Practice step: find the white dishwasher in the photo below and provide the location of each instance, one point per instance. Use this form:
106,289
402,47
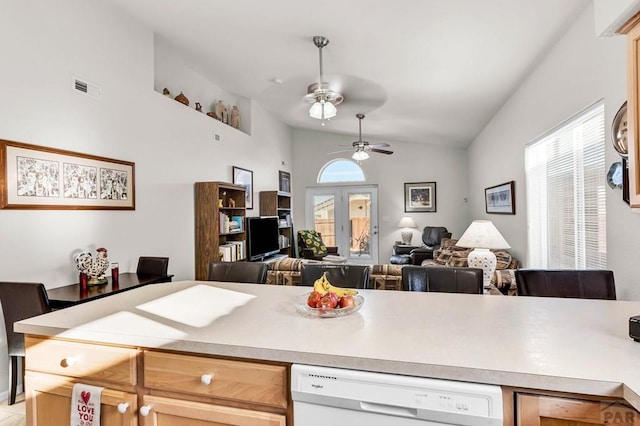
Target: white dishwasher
331,396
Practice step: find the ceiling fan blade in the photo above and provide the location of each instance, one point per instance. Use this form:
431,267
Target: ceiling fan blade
379,145
381,151
338,152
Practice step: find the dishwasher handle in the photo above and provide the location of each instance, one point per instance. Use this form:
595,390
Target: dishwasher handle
392,410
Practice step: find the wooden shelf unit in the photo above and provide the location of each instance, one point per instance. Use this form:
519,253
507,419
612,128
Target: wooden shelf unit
278,203
208,236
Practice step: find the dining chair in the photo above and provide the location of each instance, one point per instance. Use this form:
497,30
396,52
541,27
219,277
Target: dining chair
239,272
19,301
349,276
582,284
442,279
149,265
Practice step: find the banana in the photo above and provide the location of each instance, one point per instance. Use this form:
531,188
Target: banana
323,286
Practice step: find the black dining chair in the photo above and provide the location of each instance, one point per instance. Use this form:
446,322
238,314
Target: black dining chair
149,265
582,284
19,301
442,279
239,272
349,276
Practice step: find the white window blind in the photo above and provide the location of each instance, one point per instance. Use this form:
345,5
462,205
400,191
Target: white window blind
566,209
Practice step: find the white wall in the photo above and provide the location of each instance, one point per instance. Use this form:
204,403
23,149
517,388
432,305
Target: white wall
43,44
578,71
408,163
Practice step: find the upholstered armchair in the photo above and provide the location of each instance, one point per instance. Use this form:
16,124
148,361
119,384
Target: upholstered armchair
311,246
431,237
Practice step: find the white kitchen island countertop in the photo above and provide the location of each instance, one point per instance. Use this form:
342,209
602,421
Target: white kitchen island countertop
567,345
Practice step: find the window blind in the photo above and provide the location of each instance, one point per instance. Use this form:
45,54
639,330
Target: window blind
566,206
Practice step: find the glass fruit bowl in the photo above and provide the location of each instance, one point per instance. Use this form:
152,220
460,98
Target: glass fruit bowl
309,312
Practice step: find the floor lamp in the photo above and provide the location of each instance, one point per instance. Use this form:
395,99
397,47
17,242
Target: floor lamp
482,236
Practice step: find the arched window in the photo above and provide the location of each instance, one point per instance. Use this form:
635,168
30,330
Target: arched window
341,170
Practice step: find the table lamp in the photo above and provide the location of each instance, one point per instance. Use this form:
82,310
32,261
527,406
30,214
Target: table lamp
406,223
482,235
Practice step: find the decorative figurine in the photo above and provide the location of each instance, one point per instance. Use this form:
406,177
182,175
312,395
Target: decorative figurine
212,115
221,112
198,107
93,267
166,92
182,99
235,117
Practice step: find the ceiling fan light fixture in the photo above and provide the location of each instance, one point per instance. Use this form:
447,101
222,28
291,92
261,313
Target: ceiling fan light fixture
323,100
360,155
322,110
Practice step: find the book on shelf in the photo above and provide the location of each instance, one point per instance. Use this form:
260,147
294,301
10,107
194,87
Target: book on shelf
232,251
236,223
224,223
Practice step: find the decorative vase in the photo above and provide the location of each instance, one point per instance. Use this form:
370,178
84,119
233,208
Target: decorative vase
182,99
235,117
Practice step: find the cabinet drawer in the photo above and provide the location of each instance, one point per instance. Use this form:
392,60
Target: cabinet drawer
235,380
104,363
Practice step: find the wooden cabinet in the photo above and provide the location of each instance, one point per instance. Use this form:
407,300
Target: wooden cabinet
49,402
217,204
277,203
543,410
177,412
632,31
53,366
152,387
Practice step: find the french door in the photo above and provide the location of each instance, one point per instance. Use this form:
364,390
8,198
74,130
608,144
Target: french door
346,217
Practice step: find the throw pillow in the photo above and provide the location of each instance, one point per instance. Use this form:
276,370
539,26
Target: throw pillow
313,241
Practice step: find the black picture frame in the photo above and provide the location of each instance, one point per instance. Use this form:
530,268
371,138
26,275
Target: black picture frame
244,177
284,181
500,199
420,197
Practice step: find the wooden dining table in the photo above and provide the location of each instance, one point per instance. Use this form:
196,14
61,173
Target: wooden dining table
69,295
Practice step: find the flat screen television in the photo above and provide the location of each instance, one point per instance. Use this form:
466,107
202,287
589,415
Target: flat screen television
262,237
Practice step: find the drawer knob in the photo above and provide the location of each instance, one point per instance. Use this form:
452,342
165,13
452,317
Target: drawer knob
206,379
68,361
145,410
122,407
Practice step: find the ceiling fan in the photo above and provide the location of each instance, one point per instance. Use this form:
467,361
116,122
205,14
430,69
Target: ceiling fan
320,95
362,148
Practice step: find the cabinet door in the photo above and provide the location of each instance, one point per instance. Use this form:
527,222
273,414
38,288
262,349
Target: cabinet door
49,403
176,412
539,410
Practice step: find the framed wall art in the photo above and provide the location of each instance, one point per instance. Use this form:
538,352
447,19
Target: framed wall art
420,197
244,177
38,177
284,180
500,199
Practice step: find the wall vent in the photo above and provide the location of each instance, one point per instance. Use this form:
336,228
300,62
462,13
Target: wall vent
87,88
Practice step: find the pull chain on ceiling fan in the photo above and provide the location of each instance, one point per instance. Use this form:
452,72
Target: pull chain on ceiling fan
363,147
320,95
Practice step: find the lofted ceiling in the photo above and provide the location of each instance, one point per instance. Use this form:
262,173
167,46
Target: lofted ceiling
423,71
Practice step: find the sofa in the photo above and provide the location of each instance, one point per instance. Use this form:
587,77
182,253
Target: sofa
503,280
286,271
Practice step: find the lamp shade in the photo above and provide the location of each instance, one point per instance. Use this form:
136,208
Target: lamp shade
407,222
482,234
360,155
322,110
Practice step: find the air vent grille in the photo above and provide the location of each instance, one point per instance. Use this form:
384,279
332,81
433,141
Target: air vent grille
90,89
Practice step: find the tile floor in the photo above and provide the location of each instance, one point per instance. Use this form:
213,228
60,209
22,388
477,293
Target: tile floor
13,415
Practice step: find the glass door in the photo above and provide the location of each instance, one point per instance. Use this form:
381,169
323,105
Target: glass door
346,217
